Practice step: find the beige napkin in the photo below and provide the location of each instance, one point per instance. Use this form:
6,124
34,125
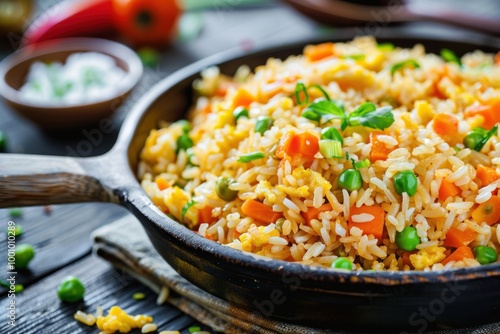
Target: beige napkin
126,246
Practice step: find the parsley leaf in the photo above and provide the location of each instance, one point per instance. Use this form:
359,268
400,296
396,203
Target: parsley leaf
370,116
326,111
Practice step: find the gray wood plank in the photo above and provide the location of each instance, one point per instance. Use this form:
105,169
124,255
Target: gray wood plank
38,310
59,238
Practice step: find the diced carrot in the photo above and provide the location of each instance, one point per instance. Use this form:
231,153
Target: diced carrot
458,238
447,189
318,52
489,112
486,175
161,183
459,254
445,125
259,211
305,144
374,226
497,58
205,215
379,150
243,98
488,212
312,212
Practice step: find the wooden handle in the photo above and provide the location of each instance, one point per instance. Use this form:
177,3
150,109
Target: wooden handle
41,180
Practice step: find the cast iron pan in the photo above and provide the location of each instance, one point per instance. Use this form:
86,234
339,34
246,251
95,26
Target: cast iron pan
355,301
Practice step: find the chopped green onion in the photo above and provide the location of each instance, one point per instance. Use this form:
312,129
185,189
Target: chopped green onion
361,164
332,133
386,47
138,296
186,207
356,57
330,148
450,57
327,97
184,142
251,157
301,88
240,112
405,63
263,124
328,110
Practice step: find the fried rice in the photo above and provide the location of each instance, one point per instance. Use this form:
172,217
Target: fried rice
257,166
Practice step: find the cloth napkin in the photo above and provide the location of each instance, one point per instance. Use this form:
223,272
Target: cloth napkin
126,246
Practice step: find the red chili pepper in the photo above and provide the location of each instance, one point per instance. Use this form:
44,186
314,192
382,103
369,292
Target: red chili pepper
140,22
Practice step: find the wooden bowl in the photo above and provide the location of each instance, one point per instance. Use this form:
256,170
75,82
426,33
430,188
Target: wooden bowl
54,115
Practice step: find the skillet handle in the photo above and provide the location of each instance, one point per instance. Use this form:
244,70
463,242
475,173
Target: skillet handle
41,180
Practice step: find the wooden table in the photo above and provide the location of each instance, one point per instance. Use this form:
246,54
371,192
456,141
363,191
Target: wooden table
61,233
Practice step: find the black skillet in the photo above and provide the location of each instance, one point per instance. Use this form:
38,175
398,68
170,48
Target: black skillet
322,298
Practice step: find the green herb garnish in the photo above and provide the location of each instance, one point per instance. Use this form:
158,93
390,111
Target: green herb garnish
322,91
332,133
405,63
300,88
370,116
355,57
251,157
366,114
478,137
386,47
450,57
361,164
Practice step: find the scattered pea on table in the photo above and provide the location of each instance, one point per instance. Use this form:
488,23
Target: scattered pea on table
71,289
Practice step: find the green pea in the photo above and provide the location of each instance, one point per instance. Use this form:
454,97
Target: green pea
184,142
405,182
23,255
407,239
341,263
240,112
485,254
3,142
71,289
350,179
15,212
263,124
222,189
472,140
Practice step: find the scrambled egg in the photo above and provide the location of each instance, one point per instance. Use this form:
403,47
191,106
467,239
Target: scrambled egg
310,178
119,320
427,257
